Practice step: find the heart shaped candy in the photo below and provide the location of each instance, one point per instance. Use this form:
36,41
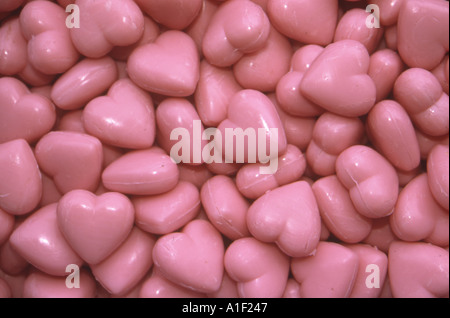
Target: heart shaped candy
23,115
338,80
13,47
161,67
74,160
437,168
288,216
21,183
199,247
105,24
95,226
125,118
260,269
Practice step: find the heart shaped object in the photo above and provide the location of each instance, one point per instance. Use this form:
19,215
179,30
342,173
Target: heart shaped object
126,266
23,115
21,183
6,226
13,47
417,215
141,172
167,212
124,118
39,240
288,216
438,175
418,270
105,24
261,270
237,28
423,31
173,14
161,67
73,160
330,273
338,81
250,109
294,19
46,54
95,226
199,247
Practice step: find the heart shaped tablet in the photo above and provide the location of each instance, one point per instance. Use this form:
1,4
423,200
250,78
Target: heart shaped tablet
437,168
260,269
14,47
73,160
23,115
125,118
161,67
288,216
95,226
199,247
338,80
20,184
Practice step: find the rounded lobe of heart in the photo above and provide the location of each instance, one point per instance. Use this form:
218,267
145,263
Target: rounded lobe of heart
337,211
252,184
263,69
161,67
29,75
237,28
371,180
352,26
417,216
427,142
13,46
124,118
421,94
197,175
418,270
23,115
157,286
95,226
105,24
338,81
381,235
369,255
173,14
292,289
392,131
332,134
39,241
225,207
438,174
83,82
228,289
252,109
41,285
293,19
199,247
304,57
21,183
6,226
73,160
288,216
126,266
423,31
167,212
215,89
330,273
50,48
260,269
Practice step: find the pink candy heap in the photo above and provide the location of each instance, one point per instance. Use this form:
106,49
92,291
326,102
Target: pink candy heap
93,203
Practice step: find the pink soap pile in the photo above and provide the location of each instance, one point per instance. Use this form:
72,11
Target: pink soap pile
93,203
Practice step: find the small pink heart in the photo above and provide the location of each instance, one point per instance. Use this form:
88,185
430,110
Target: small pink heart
105,24
161,67
23,115
338,81
199,248
74,160
423,33
261,270
418,270
125,118
95,226
330,272
288,216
